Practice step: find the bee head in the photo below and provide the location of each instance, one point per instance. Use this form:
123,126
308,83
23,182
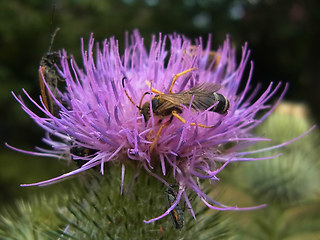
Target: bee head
50,59
145,111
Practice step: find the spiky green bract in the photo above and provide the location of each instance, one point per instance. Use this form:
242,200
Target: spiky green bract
103,213
288,184
95,209
27,219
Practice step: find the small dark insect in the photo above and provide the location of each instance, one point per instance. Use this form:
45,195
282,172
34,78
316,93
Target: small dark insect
177,213
48,70
81,152
213,57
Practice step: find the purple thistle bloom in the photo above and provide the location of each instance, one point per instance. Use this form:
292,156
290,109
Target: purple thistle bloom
96,113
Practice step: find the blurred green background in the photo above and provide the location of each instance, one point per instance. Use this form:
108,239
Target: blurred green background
283,37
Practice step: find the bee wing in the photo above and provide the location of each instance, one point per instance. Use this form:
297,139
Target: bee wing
203,95
206,87
202,100
172,101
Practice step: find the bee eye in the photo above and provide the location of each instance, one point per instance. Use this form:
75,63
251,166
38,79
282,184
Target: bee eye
155,102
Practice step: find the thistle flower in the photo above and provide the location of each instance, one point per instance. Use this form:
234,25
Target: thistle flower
100,110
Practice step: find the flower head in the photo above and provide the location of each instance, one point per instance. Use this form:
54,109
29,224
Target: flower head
104,110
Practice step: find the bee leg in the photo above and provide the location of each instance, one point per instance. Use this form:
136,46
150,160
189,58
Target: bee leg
174,113
213,56
178,75
153,144
156,91
153,89
150,135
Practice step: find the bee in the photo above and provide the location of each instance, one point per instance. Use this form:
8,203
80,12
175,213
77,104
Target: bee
177,213
51,76
204,96
212,59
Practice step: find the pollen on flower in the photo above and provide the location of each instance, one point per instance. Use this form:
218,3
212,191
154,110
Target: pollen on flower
173,109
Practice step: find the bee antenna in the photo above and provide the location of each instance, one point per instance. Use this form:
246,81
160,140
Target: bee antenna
140,103
53,35
124,78
125,91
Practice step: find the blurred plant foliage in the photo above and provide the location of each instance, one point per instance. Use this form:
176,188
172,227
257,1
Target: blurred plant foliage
288,184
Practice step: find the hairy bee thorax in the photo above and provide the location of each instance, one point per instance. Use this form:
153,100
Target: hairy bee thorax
157,101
